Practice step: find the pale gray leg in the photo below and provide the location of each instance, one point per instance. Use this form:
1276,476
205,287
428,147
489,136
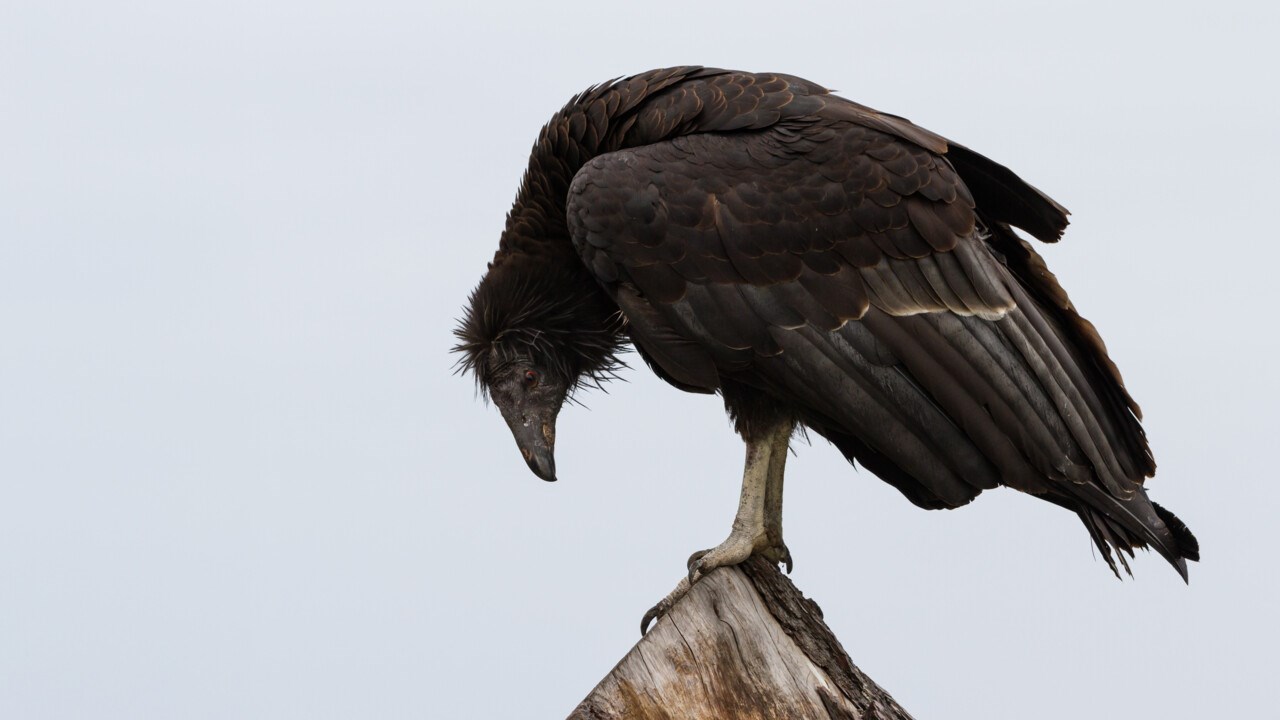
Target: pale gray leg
776,551
757,527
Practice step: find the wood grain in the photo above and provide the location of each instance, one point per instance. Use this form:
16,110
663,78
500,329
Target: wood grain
744,643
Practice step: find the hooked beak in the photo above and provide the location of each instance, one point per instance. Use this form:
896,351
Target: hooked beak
537,441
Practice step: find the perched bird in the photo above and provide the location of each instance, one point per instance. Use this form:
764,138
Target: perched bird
816,263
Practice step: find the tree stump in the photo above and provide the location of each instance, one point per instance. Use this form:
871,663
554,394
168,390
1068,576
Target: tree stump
743,643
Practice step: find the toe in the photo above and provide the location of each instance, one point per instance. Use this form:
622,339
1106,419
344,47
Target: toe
664,605
653,613
695,568
694,558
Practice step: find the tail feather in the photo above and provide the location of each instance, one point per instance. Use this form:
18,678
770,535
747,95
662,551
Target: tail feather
1105,539
1187,543
1162,531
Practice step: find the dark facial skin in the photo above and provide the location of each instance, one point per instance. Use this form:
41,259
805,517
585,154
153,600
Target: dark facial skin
530,399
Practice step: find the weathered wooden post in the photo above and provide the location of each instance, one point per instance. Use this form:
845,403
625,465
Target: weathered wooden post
744,643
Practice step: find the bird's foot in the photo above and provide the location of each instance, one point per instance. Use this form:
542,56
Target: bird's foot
735,549
778,554
668,602
775,551
738,547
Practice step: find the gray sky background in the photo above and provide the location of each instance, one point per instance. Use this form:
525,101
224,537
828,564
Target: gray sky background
238,479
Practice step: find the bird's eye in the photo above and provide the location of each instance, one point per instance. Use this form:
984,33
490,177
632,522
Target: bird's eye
530,379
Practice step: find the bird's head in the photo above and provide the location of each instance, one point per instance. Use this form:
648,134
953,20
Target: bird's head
531,336
530,394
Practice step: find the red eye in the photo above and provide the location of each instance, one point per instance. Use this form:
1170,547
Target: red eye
530,379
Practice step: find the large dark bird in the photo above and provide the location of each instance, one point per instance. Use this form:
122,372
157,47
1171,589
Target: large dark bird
814,262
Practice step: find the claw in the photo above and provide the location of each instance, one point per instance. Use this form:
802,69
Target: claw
664,605
652,614
694,565
694,558
695,571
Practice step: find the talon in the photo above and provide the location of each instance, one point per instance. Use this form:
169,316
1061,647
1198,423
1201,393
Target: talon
668,602
653,614
694,558
695,567
786,558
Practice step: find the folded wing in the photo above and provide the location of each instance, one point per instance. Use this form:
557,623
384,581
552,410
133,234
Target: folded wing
848,271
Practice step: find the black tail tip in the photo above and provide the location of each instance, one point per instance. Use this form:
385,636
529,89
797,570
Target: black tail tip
1188,546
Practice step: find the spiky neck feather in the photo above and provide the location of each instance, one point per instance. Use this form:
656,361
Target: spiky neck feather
537,302
531,308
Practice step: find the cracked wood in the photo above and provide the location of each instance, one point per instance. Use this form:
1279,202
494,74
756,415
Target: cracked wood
744,643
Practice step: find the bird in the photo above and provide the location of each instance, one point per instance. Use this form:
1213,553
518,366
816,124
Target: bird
824,268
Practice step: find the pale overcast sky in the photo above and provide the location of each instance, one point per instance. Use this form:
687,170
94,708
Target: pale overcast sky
238,479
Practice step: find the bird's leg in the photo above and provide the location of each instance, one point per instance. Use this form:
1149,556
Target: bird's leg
776,551
747,533
757,527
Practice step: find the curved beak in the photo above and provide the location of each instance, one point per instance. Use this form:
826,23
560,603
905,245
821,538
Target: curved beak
536,438
542,462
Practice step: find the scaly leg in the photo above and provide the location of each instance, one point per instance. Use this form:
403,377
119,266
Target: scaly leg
776,551
757,527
